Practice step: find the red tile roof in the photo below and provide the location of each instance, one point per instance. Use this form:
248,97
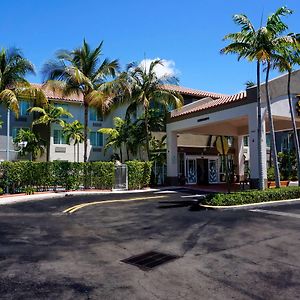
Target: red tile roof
206,104
192,92
57,96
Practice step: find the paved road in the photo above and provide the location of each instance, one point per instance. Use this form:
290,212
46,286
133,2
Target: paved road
45,254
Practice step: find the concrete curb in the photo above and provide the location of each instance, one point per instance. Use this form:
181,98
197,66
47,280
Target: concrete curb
28,198
252,205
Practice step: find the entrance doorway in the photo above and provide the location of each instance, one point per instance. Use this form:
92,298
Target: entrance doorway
191,171
202,170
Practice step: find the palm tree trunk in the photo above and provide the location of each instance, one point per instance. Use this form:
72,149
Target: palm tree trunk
48,143
259,130
272,131
74,152
147,133
8,135
85,131
77,152
295,133
121,158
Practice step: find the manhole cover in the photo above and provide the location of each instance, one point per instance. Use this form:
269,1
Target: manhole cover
149,260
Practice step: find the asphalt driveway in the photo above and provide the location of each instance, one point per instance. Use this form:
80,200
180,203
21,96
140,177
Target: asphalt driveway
48,254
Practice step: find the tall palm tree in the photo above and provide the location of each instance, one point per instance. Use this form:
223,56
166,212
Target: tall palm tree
50,115
13,69
35,144
74,132
146,90
290,57
80,71
257,45
246,44
274,40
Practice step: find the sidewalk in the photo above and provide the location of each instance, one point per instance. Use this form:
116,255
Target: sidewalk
19,198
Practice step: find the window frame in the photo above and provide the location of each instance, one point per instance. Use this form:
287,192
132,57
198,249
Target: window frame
99,139
62,139
95,112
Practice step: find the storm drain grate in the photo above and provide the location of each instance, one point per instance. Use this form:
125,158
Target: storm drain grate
149,260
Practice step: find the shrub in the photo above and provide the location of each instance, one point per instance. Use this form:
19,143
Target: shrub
139,174
1,191
253,196
50,175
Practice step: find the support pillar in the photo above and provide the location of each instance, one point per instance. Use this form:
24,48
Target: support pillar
172,158
239,157
254,150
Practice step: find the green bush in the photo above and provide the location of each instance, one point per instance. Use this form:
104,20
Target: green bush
253,196
1,191
68,175
139,174
271,174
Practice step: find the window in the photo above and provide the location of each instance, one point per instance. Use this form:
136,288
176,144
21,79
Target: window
24,106
96,139
95,114
268,140
59,137
64,106
246,141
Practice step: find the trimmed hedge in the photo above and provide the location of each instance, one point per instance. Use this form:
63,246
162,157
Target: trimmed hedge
69,175
139,174
253,196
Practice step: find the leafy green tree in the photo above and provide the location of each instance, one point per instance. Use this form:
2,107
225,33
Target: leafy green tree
50,115
74,132
289,58
81,72
1,123
146,91
258,45
117,137
35,144
14,67
249,84
274,40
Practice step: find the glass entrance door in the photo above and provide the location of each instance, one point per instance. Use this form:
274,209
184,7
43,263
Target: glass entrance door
191,171
212,171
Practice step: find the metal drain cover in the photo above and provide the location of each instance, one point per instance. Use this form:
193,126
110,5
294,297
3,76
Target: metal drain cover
149,260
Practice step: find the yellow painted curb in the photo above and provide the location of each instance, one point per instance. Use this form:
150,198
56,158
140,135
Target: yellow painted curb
74,208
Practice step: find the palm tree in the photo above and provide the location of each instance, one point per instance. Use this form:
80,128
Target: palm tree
146,90
35,144
74,131
257,45
246,45
80,71
50,115
273,41
290,57
117,136
13,69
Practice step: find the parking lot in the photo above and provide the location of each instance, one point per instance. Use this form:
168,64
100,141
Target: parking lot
73,248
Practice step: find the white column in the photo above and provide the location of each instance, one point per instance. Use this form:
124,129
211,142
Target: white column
239,156
172,157
253,148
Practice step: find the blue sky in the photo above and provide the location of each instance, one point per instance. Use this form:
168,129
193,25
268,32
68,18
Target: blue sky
189,33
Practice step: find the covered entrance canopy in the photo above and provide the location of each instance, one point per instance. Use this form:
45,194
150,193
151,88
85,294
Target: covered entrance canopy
234,116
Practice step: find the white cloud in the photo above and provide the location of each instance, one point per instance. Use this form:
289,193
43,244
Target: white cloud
167,68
